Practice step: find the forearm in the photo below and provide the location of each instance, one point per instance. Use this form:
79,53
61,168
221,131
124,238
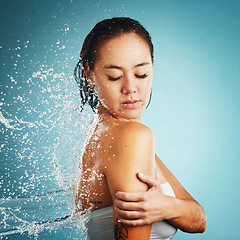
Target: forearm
190,217
122,231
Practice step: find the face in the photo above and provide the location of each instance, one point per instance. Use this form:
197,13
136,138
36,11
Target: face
123,75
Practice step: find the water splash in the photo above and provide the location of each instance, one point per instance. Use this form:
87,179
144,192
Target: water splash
16,217
43,136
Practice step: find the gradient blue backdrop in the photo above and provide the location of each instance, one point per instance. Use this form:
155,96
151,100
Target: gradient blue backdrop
194,111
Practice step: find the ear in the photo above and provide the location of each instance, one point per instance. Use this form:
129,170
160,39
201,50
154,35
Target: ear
89,76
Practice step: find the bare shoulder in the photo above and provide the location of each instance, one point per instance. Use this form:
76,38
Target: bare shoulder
132,140
134,126
119,136
132,152
132,131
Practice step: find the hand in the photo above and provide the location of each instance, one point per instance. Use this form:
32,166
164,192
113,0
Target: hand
143,208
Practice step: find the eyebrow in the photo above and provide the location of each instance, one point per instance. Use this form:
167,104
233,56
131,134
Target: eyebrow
118,67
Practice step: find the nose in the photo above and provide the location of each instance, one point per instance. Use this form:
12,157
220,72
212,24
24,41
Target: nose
129,85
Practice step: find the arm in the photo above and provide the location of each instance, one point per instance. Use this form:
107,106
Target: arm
190,217
183,211
133,151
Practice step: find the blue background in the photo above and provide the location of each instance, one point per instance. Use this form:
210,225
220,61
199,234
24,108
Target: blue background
194,111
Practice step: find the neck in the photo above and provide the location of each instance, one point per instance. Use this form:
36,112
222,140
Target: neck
105,114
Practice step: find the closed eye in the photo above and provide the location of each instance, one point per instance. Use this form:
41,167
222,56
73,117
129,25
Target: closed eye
141,76
113,79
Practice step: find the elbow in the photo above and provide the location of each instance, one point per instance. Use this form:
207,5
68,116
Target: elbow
204,224
198,225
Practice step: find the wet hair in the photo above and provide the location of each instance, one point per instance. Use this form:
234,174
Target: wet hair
102,32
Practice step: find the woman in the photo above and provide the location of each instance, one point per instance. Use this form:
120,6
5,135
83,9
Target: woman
115,73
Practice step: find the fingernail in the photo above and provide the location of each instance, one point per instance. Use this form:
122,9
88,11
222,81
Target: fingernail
119,221
115,208
115,194
140,174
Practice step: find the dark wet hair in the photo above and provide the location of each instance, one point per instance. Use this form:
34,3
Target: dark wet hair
102,32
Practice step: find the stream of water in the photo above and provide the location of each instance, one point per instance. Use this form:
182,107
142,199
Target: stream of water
42,136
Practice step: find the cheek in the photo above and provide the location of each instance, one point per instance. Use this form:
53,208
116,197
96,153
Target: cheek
100,86
105,92
100,91
146,88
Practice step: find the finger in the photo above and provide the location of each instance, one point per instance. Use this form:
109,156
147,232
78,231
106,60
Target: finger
150,181
128,206
129,215
134,223
129,197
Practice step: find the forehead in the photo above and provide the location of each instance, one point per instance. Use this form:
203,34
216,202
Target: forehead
126,49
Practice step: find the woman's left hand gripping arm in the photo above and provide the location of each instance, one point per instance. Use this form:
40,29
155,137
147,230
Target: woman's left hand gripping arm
152,206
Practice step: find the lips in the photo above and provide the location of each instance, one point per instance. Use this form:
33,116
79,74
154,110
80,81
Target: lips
130,103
